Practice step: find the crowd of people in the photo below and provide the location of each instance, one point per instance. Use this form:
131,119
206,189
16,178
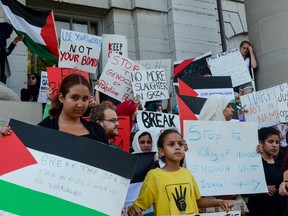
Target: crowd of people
170,187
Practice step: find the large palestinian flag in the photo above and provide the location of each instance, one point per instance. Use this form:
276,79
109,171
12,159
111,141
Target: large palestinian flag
38,27
46,172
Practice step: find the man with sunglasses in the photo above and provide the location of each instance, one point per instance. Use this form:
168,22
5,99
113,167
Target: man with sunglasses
5,32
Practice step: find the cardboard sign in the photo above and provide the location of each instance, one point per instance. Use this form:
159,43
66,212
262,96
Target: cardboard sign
113,43
230,63
42,97
263,107
150,85
71,174
56,75
123,138
79,50
222,157
115,80
194,67
149,120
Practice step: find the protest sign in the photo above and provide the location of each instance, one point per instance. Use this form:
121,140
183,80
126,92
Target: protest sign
123,138
115,80
42,97
150,85
282,99
194,67
222,157
79,50
150,120
75,175
230,63
206,86
262,106
57,74
166,64
113,43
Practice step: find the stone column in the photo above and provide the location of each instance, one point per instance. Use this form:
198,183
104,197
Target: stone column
268,32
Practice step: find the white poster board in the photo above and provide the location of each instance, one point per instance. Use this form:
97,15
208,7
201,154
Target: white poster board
79,50
222,157
113,43
262,106
149,120
115,80
150,85
230,63
42,97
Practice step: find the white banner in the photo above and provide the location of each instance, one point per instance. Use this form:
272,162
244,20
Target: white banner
230,63
79,50
222,157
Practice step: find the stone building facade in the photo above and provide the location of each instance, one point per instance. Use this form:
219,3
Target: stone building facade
161,29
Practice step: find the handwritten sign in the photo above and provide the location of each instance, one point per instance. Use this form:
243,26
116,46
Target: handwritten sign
222,157
149,120
282,98
150,85
79,50
113,43
123,138
115,80
56,75
42,97
69,175
166,64
262,105
230,63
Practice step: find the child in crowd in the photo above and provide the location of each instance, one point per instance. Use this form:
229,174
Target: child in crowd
172,190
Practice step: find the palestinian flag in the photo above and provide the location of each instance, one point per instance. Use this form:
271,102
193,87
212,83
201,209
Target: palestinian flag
61,174
145,163
38,27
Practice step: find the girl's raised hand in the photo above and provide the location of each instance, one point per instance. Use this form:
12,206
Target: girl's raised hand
5,130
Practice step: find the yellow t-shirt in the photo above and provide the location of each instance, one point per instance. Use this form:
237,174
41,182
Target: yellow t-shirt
171,193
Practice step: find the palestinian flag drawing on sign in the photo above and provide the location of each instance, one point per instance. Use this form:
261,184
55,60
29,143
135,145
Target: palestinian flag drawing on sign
38,27
63,174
